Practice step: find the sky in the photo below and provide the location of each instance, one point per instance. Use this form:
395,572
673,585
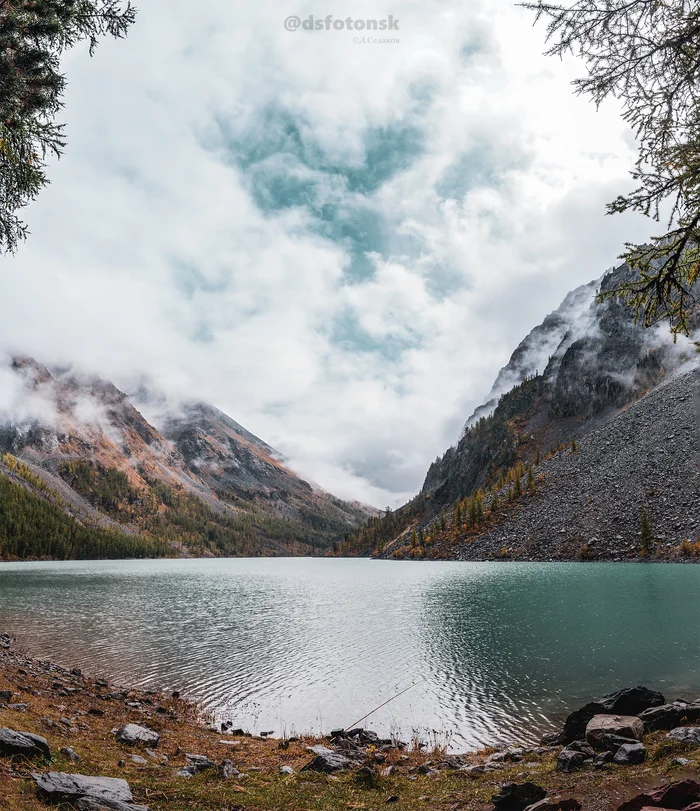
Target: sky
337,241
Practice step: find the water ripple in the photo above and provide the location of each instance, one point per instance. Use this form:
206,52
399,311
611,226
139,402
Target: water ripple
494,651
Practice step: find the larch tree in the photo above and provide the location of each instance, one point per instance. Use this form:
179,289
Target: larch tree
33,36
646,53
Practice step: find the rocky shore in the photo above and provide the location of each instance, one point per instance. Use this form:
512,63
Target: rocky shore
79,742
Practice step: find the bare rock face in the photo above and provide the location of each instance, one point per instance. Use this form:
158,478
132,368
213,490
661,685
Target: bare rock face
624,726
132,734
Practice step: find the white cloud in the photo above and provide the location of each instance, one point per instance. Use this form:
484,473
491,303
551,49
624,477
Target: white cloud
149,253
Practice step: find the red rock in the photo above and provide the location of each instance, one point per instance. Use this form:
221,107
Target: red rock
675,797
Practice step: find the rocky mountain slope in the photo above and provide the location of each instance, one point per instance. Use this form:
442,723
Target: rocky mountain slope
587,503
587,378
200,485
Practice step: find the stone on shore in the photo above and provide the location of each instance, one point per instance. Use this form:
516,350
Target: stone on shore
86,793
26,744
689,735
195,765
132,734
227,770
669,716
71,754
518,796
676,796
570,760
631,753
630,701
327,761
624,726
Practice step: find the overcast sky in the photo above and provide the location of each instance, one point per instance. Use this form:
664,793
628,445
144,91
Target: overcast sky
338,243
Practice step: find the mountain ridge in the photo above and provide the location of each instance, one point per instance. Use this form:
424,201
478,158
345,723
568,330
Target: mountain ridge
202,484
571,376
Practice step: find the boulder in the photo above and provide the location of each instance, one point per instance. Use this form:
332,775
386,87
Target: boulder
132,734
611,743
676,796
689,735
5,695
631,753
669,716
518,796
85,793
26,744
328,761
570,760
624,726
630,701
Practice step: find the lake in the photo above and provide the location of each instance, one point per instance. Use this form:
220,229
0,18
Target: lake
491,651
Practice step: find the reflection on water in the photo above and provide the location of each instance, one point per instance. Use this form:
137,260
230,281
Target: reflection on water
496,651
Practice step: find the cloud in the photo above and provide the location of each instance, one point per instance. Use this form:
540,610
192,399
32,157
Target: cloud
339,244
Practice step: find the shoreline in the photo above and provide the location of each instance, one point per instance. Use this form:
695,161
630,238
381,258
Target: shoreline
80,713
692,559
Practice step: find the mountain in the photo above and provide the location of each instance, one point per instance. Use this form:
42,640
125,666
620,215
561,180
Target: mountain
588,428
199,483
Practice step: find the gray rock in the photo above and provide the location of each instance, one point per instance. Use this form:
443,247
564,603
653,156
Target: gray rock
320,750
25,744
227,770
583,747
5,695
141,761
601,726
287,770
631,753
601,759
328,761
627,702
669,716
132,734
71,754
85,793
518,796
611,743
570,760
195,765
685,735
513,754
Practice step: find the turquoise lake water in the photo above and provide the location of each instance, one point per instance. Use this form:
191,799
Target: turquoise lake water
494,651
